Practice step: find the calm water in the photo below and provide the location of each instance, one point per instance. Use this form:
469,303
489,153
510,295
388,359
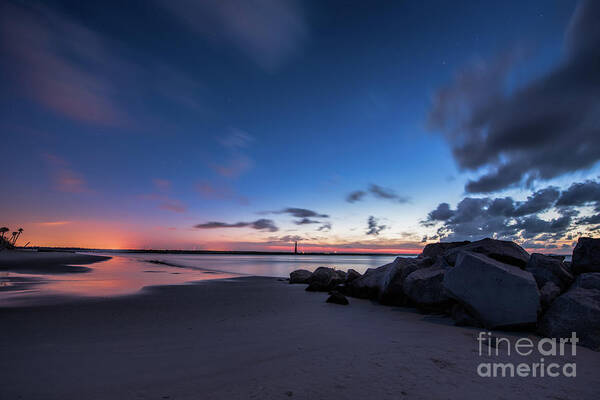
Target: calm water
129,273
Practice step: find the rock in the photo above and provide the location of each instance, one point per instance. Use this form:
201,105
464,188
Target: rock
324,279
549,269
462,317
385,283
577,310
300,276
434,250
500,250
424,287
497,294
548,293
340,274
586,256
337,298
352,275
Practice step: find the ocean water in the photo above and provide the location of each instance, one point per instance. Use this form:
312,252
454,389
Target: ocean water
126,274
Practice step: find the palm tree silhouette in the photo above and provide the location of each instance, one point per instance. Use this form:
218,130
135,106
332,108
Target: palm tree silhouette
13,238
19,231
3,230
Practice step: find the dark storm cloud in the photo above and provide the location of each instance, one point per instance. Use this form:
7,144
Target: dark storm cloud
581,194
377,191
506,218
357,195
522,136
373,228
259,224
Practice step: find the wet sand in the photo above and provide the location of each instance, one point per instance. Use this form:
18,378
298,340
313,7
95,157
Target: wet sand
254,338
52,262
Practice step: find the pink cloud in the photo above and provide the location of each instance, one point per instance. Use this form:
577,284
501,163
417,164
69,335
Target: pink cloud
43,46
64,177
162,184
173,205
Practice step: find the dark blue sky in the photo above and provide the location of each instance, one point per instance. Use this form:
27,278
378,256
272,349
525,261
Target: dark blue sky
139,120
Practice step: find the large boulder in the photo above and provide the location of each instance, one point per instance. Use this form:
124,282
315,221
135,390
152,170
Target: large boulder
577,310
586,256
385,283
424,287
497,294
352,275
549,269
437,249
500,250
323,279
300,276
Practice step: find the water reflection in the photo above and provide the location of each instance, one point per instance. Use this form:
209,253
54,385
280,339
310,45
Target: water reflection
128,273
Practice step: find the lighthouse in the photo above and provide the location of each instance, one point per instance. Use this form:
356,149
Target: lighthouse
296,247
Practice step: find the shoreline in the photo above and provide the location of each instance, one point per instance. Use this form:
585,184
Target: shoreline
255,337
46,262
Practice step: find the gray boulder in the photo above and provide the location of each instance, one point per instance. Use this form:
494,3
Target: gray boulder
300,276
437,249
549,269
323,279
577,310
586,256
500,250
497,294
385,283
548,293
352,275
424,287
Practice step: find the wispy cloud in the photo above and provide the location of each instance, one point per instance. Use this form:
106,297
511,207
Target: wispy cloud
378,192
48,53
270,32
64,177
373,226
259,224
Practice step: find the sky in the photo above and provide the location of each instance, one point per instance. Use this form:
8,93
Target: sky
346,126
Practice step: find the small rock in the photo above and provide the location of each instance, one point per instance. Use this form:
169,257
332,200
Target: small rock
548,293
337,298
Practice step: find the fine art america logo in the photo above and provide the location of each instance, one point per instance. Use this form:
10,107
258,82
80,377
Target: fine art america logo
492,346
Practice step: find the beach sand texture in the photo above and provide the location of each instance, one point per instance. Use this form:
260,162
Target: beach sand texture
254,338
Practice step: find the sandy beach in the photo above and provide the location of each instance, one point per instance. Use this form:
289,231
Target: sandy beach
53,262
254,338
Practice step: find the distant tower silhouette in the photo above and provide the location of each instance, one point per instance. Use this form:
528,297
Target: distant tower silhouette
296,247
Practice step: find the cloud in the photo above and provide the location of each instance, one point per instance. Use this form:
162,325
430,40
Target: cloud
475,218
581,194
65,178
173,205
326,227
373,228
49,55
269,32
306,221
357,195
162,184
238,161
301,213
518,137
378,192
260,224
